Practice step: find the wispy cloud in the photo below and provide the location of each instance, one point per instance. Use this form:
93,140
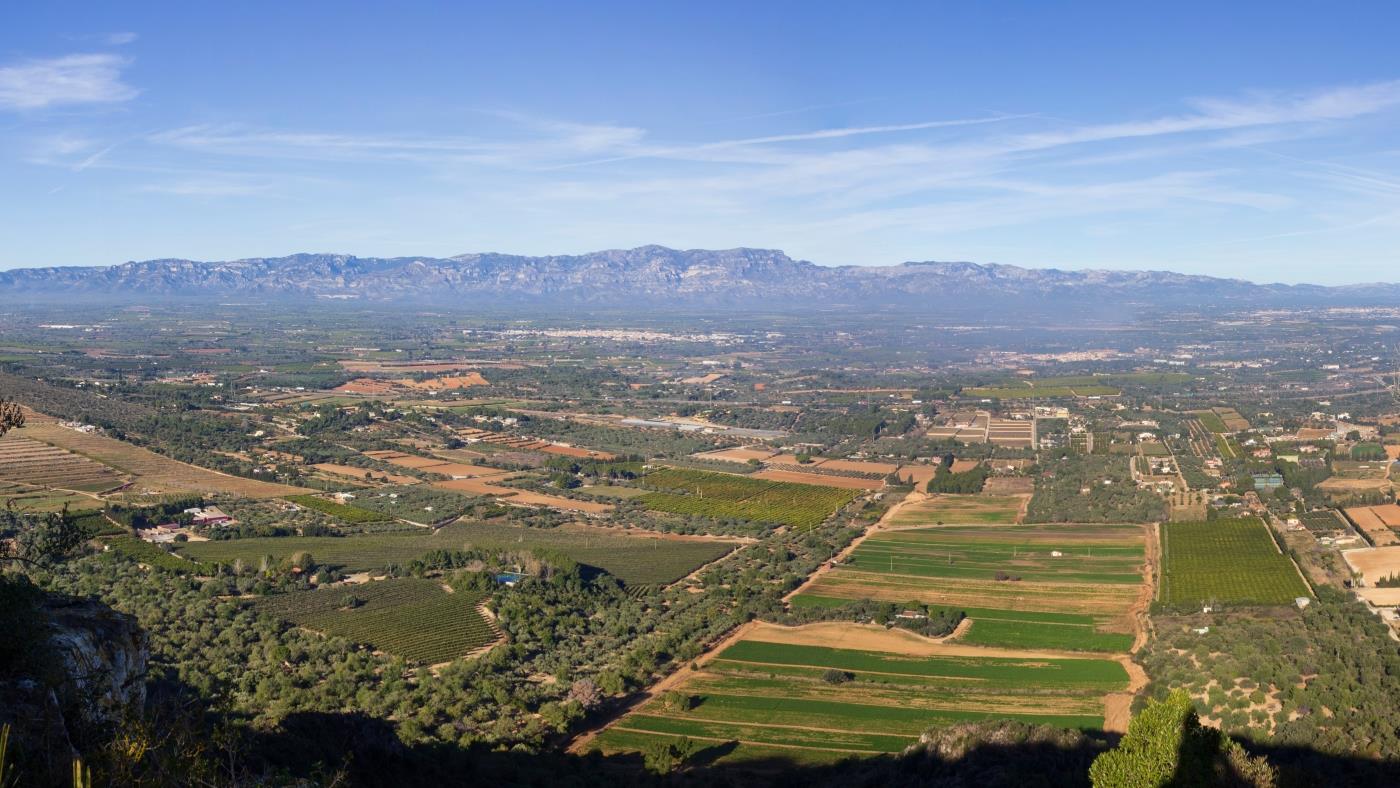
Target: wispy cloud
542,142
71,79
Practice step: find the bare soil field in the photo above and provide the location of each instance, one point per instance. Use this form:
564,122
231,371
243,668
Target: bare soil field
475,487
963,466
1370,523
575,451
1008,485
154,473
406,366
1389,514
859,466
1381,597
359,473
1351,486
919,474
843,482
510,495
446,382
1374,563
893,640
557,502
740,454
365,386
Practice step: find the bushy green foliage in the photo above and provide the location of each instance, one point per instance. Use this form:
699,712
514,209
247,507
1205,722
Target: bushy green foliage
340,511
1166,745
1091,489
966,483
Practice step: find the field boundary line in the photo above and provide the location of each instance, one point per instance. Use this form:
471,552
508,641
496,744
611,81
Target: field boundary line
750,743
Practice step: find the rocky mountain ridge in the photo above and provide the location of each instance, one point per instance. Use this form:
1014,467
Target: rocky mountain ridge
652,275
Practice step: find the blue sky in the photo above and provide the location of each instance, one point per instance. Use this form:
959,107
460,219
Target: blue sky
1251,140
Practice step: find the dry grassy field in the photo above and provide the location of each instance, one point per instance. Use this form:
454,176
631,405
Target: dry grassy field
736,454
359,473
1376,522
153,473
28,461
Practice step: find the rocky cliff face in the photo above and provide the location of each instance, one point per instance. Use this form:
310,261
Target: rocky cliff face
652,275
91,671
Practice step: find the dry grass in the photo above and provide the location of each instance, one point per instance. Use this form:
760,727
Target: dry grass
154,473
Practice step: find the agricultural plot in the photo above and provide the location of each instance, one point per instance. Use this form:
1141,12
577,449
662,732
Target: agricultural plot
1322,522
1226,561
1211,421
25,498
340,511
634,560
146,553
417,620
770,694
1377,523
940,509
726,496
1085,571
154,473
31,462
1018,628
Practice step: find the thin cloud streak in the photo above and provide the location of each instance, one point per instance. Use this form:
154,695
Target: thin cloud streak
71,79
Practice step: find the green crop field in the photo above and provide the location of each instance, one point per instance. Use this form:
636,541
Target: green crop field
635,560
729,496
961,509
340,511
1226,561
1054,586
759,700
146,553
414,619
1026,629
1026,552
1211,420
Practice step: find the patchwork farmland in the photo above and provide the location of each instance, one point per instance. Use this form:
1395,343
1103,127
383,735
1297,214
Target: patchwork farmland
1226,561
785,693
417,620
1026,586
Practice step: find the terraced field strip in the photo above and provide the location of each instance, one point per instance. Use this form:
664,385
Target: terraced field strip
1053,586
1020,628
1226,561
757,697
635,560
154,473
33,462
410,618
726,496
957,509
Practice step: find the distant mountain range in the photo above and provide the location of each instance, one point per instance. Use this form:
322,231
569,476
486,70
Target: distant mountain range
656,275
